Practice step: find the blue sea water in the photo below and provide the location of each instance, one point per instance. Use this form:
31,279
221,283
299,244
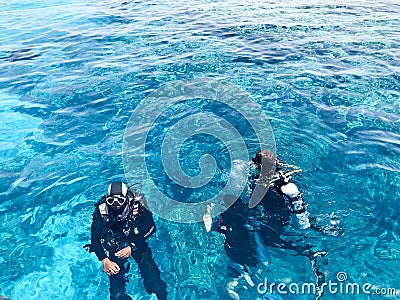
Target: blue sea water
326,74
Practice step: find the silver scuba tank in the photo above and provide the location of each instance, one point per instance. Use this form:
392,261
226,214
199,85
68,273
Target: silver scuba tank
299,220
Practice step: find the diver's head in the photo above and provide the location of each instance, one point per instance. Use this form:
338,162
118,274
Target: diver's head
117,196
264,157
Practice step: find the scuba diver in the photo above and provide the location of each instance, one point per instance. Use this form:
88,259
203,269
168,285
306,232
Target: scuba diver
248,231
240,243
281,206
121,225
283,203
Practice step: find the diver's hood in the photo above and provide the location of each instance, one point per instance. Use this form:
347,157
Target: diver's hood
117,188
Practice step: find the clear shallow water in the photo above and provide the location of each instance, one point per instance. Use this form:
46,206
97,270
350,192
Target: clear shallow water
71,74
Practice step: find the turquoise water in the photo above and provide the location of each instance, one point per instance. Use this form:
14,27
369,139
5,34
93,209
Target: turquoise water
327,76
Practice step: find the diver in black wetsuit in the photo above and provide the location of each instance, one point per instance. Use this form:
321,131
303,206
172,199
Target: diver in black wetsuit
121,225
232,223
283,201
240,244
282,205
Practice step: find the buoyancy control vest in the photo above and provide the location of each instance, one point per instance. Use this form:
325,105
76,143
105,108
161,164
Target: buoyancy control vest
119,230
283,200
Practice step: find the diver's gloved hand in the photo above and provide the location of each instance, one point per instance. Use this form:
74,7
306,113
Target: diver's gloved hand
110,267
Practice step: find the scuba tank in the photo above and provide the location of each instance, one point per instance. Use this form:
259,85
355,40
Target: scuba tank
299,214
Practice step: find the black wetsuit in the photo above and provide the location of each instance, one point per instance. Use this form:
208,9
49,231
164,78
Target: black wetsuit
273,212
276,215
277,207
108,234
239,241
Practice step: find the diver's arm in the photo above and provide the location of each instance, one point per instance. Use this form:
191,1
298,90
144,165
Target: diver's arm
96,232
149,227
